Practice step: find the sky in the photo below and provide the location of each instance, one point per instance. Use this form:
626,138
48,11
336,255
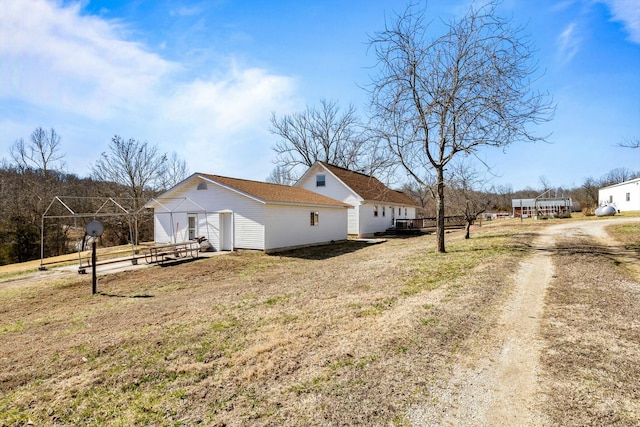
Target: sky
202,78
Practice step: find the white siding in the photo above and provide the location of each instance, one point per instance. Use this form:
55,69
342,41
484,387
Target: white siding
360,219
161,228
618,196
411,212
290,226
248,215
353,220
245,220
369,223
335,189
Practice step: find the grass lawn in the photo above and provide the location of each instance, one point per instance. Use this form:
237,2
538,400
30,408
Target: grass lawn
351,333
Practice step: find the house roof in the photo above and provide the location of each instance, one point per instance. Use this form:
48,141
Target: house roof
368,187
631,181
275,193
529,203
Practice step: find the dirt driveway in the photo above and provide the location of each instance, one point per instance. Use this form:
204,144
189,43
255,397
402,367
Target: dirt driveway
504,387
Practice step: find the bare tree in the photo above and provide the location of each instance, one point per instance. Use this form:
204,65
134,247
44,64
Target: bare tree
466,193
281,175
504,194
136,165
617,176
325,134
545,183
589,198
455,94
630,143
173,171
41,152
420,194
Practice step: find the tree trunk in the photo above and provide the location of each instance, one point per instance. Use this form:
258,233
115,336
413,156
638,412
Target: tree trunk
440,211
466,229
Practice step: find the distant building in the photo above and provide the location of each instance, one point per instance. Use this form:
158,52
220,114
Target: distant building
542,206
624,196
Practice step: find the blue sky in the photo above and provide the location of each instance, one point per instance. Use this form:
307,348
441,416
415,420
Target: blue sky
202,77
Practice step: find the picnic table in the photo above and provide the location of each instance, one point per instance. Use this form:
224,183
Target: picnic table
171,252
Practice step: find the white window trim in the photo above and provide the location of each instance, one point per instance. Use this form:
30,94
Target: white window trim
314,218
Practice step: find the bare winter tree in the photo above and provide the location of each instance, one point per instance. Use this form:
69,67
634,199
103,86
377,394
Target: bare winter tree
630,143
435,98
281,175
40,153
136,165
545,183
325,134
173,171
504,194
467,195
617,176
589,194
421,194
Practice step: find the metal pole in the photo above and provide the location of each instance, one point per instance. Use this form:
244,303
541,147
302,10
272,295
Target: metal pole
78,247
42,267
93,267
520,210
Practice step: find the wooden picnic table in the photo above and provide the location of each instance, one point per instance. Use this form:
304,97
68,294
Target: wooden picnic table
172,252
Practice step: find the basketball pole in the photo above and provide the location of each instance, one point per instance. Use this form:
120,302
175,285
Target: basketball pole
93,266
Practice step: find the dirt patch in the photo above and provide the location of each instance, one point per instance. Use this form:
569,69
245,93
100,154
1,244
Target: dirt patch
351,334
504,379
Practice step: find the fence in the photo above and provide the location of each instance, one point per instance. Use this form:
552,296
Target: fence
449,222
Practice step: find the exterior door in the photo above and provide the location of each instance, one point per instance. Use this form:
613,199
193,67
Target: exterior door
192,222
226,231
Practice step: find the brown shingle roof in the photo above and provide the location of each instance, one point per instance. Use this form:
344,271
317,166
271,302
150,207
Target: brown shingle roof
369,187
275,193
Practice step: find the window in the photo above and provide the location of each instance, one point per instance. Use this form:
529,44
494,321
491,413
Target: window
628,197
384,211
320,181
192,224
405,211
202,186
399,211
375,210
314,219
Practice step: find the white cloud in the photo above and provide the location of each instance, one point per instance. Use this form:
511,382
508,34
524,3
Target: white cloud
55,59
54,56
186,11
628,13
225,119
568,42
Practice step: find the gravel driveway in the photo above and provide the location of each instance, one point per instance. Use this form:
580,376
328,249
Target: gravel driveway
502,387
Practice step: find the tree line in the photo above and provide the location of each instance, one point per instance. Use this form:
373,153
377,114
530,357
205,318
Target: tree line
129,173
436,101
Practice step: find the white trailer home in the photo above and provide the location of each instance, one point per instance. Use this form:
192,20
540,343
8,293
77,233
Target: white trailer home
375,206
241,214
624,196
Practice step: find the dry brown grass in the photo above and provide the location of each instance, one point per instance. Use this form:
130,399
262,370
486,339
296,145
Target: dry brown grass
349,334
592,358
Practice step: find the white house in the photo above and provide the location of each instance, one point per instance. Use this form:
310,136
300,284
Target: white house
375,206
624,196
240,214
